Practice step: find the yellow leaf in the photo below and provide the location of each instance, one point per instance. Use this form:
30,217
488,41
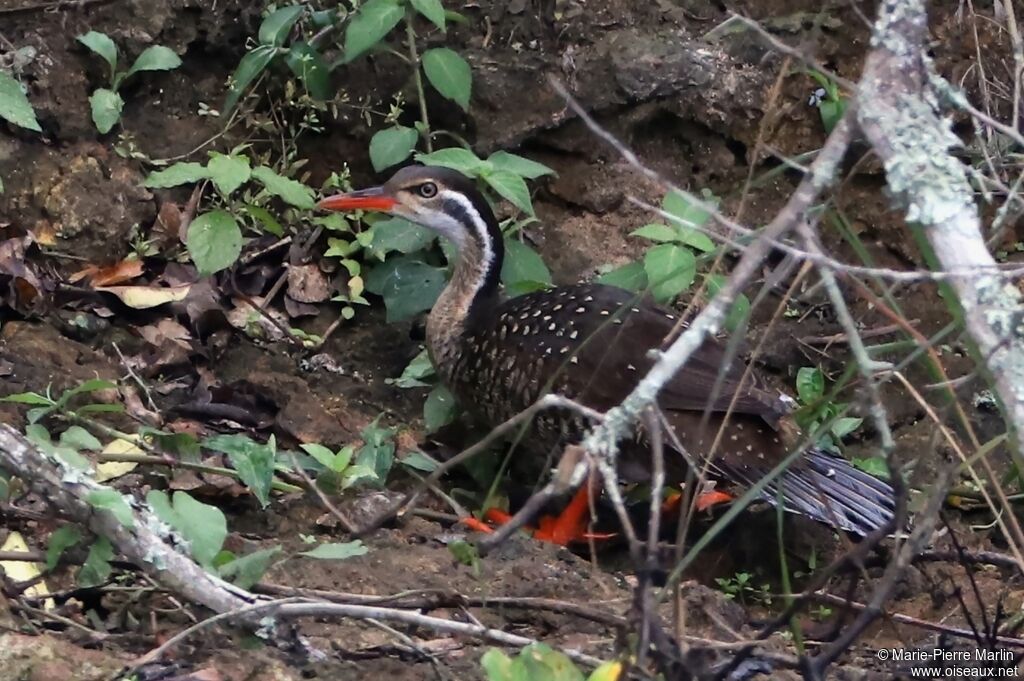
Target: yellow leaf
142,297
109,470
609,671
20,571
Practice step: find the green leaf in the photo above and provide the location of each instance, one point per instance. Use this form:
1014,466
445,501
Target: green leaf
203,525
418,369
845,425
874,465
740,307
309,66
246,571
368,27
228,173
175,175
450,74
419,461
265,218
391,146
292,192
323,455
27,398
540,661
609,671
92,385
497,665
275,28
339,551
155,58
61,540
432,10
106,109
407,284
456,158
523,167
102,45
111,500
398,234
522,264
670,270
249,69
631,276
14,105
253,461
690,216
439,409
214,241
97,569
79,438
810,384
657,232
512,187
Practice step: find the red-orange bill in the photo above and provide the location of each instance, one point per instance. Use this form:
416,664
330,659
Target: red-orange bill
364,199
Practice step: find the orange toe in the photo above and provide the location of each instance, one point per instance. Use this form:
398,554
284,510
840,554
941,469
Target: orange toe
477,525
713,498
672,503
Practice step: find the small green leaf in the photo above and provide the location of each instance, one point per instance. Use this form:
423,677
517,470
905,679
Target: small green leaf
78,438
845,425
292,192
14,105
203,525
249,69
398,234
670,270
497,665
246,571
419,368
631,276
391,146
874,465
740,306
690,217
439,409
339,551
407,284
657,232
309,66
97,569
102,45
419,461
522,263
323,455
450,74
465,553
810,384
61,540
214,241
27,398
175,175
253,461
512,187
433,10
523,167
275,28
106,109
155,58
111,500
228,173
372,22
265,218
456,158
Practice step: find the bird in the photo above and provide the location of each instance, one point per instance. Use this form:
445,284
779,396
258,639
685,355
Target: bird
591,343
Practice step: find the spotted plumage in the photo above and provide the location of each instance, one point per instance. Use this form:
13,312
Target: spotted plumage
593,343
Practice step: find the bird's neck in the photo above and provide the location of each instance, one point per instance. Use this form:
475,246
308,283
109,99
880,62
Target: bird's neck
473,289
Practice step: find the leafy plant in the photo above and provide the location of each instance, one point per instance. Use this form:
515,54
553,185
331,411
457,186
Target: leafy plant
816,411
14,105
106,103
829,100
741,587
439,409
540,662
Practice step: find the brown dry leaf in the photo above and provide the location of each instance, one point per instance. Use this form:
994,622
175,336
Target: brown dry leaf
307,284
109,470
44,233
168,221
144,297
126,270
166,330
255,324
19,571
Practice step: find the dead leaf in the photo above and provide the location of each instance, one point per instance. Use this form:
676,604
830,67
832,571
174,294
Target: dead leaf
109,470
164,331
20,571
168,221
296,309
307,284
144,297
255,324
126,270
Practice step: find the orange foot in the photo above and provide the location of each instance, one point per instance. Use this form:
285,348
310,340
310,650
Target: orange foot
705,501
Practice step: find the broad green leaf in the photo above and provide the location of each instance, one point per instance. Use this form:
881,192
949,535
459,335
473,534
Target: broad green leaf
874,465
657,232
523,167
391,146
372,22
323,455
202,525
433,10
112,500
497,665
78,438
398,234
339,551
456,158
61,540
228,173
265,218
92,385
845,425
292,192
439,409
102,45
407,284
214,241
690,216
246,571
27,398
419,461
309,66
249,69
740,306
522,263
810,384
155,58
275,28
97,569
630,276
540,661
418,369
14,105
106,109
253,461
512,187
670,270
450,74
609,671
175,175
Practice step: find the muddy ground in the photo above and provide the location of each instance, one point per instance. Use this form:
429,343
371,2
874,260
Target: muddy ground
705,115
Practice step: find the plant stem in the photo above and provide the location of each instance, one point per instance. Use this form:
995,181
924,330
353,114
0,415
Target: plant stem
414,59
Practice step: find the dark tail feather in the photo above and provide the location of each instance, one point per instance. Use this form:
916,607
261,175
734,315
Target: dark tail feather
831,490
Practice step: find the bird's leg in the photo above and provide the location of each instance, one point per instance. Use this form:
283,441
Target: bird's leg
705,500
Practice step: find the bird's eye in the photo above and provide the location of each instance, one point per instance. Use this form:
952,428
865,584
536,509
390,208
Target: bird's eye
428,190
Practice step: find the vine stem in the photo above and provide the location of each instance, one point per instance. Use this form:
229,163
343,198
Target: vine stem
414,59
